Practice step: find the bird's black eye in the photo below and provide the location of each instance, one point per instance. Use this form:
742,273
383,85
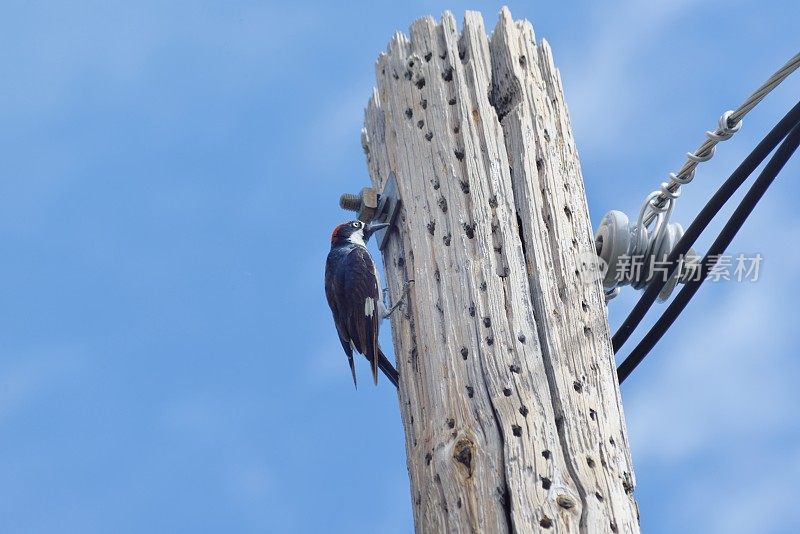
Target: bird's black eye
356,224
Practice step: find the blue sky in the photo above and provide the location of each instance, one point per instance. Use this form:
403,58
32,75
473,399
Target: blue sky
169,176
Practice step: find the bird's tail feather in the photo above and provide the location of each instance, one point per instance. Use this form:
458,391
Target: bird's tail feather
375,363
352,369
387,368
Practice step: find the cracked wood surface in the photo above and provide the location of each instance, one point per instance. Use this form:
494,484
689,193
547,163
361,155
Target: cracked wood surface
508,393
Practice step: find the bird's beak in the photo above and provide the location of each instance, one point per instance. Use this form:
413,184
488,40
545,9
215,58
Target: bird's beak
371,228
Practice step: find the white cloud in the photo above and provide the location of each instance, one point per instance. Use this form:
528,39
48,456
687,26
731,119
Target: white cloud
328,362
605,75
764,503
727,358
28,376
337,130
714,376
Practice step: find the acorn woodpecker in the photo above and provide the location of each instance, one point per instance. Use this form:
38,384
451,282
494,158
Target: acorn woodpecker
352,288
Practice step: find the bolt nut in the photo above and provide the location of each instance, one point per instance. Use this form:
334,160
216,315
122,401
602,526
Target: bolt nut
365,203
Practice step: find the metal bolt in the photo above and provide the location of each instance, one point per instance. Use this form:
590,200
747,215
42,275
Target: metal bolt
372,206
365,203
350,202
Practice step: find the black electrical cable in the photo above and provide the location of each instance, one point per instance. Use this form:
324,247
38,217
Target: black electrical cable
734,224
725,192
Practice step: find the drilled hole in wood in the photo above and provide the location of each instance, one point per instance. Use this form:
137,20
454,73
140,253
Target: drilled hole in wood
462,52
463,455
565,502
469,229
627,482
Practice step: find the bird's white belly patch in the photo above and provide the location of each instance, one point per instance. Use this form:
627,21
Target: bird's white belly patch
369,306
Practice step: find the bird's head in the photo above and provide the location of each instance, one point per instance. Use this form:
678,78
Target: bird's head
355,232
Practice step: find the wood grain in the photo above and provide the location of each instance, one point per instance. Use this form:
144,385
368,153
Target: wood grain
508,394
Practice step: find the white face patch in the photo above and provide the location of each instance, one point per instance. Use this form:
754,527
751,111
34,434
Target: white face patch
369,306
357,237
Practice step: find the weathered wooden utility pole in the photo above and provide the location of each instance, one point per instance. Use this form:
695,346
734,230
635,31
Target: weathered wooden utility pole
508,393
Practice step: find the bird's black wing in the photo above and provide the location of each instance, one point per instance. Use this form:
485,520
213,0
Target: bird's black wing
357,301
331,294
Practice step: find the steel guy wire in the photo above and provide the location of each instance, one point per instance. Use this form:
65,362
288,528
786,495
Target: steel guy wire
729,123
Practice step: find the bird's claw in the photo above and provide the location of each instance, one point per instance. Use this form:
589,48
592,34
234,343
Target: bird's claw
390,310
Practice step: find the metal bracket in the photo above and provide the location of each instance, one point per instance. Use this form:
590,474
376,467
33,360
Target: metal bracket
381,207
388,209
